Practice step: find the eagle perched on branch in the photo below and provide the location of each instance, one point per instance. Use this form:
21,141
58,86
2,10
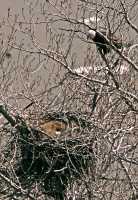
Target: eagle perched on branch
103,42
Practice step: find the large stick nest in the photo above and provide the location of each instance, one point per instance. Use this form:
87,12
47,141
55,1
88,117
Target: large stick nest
54,164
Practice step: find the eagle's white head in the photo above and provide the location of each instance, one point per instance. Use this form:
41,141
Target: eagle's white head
91,34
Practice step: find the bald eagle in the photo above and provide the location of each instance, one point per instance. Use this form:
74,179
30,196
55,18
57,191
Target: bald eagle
103,43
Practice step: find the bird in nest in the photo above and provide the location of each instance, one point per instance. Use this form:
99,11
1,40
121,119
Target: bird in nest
61,124
52,128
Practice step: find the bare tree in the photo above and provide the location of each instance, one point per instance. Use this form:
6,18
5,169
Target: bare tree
51,71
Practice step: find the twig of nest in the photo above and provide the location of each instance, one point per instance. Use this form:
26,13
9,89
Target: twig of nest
54,164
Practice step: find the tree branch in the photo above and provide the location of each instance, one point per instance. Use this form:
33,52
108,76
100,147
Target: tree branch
7,116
